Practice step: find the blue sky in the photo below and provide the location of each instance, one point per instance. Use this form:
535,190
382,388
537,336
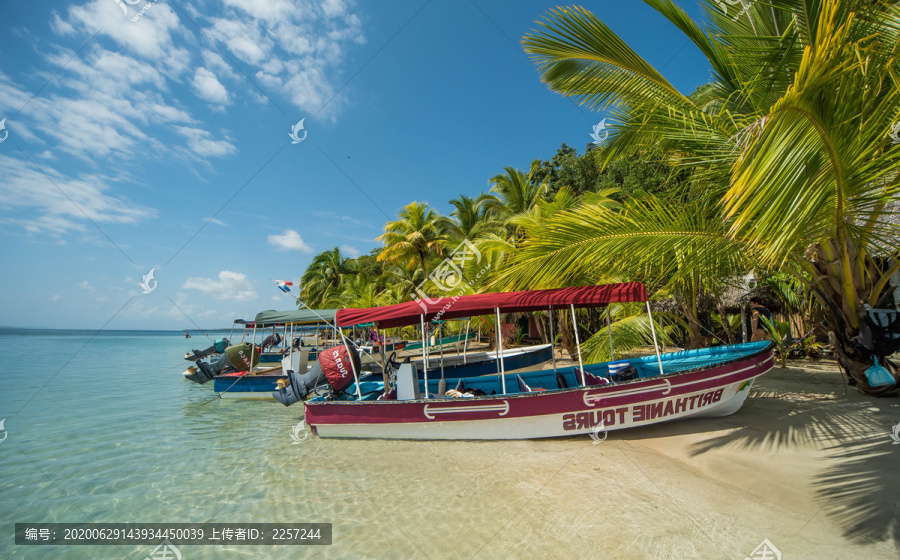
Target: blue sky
161,140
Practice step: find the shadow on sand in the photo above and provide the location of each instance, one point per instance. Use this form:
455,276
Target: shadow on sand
802,407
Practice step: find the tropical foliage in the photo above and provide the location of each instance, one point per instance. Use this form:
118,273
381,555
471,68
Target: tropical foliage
788,148
786,164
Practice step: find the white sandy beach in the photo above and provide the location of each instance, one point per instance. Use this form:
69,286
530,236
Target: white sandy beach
813,472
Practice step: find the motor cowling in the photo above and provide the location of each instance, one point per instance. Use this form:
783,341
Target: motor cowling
240,357
337,367
243,356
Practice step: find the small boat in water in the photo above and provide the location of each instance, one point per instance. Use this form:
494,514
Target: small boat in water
261,377
549,403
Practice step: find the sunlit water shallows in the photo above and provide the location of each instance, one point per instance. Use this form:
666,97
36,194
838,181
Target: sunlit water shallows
102,428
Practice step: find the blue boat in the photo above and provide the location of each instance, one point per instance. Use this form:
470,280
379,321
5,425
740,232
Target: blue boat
474,364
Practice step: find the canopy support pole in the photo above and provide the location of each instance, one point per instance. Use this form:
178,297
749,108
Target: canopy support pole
655,345
253,346
353,367
612,355
578,346
552,339
424,354
466,343
500,348
440,334
385,376
290,342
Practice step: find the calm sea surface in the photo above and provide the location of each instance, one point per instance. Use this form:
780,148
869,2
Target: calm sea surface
102,428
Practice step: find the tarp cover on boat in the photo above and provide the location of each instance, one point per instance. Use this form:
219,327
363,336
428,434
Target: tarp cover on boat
409,313
272,317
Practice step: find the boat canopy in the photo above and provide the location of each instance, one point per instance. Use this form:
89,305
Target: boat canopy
410,313
295,316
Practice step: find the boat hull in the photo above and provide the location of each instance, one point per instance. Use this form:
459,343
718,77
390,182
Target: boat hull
717,390
246,386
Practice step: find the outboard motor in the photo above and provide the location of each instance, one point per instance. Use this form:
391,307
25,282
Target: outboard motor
272,340
333,363
240,357
217,348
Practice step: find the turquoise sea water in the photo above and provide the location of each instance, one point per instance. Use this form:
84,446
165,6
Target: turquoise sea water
96,432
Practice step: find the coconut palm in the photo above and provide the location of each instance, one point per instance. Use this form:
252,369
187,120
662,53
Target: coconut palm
516,193
412,239
356,290
324,274
790,141
469,218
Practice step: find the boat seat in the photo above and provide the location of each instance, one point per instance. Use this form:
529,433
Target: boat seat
590,378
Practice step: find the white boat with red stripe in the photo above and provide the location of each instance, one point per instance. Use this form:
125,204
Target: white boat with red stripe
546,403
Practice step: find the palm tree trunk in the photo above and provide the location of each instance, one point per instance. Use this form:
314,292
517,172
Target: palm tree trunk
695,338
726,325
566,336
424,264
539,325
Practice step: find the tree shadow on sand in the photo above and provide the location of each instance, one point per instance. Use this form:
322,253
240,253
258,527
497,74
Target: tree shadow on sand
858,487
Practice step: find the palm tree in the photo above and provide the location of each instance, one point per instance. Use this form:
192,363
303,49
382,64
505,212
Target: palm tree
790,141
412,239
516,193
469,218
356,290
324,274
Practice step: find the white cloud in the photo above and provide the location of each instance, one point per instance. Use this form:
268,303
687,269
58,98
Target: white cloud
62,202
296,49
150,37
56,297
215,221
232,286
350,251
85,285
290,240
208,87
201,142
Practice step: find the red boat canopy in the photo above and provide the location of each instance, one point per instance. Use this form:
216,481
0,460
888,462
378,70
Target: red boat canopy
409,313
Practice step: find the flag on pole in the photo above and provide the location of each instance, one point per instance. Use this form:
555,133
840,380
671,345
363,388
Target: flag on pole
283,285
